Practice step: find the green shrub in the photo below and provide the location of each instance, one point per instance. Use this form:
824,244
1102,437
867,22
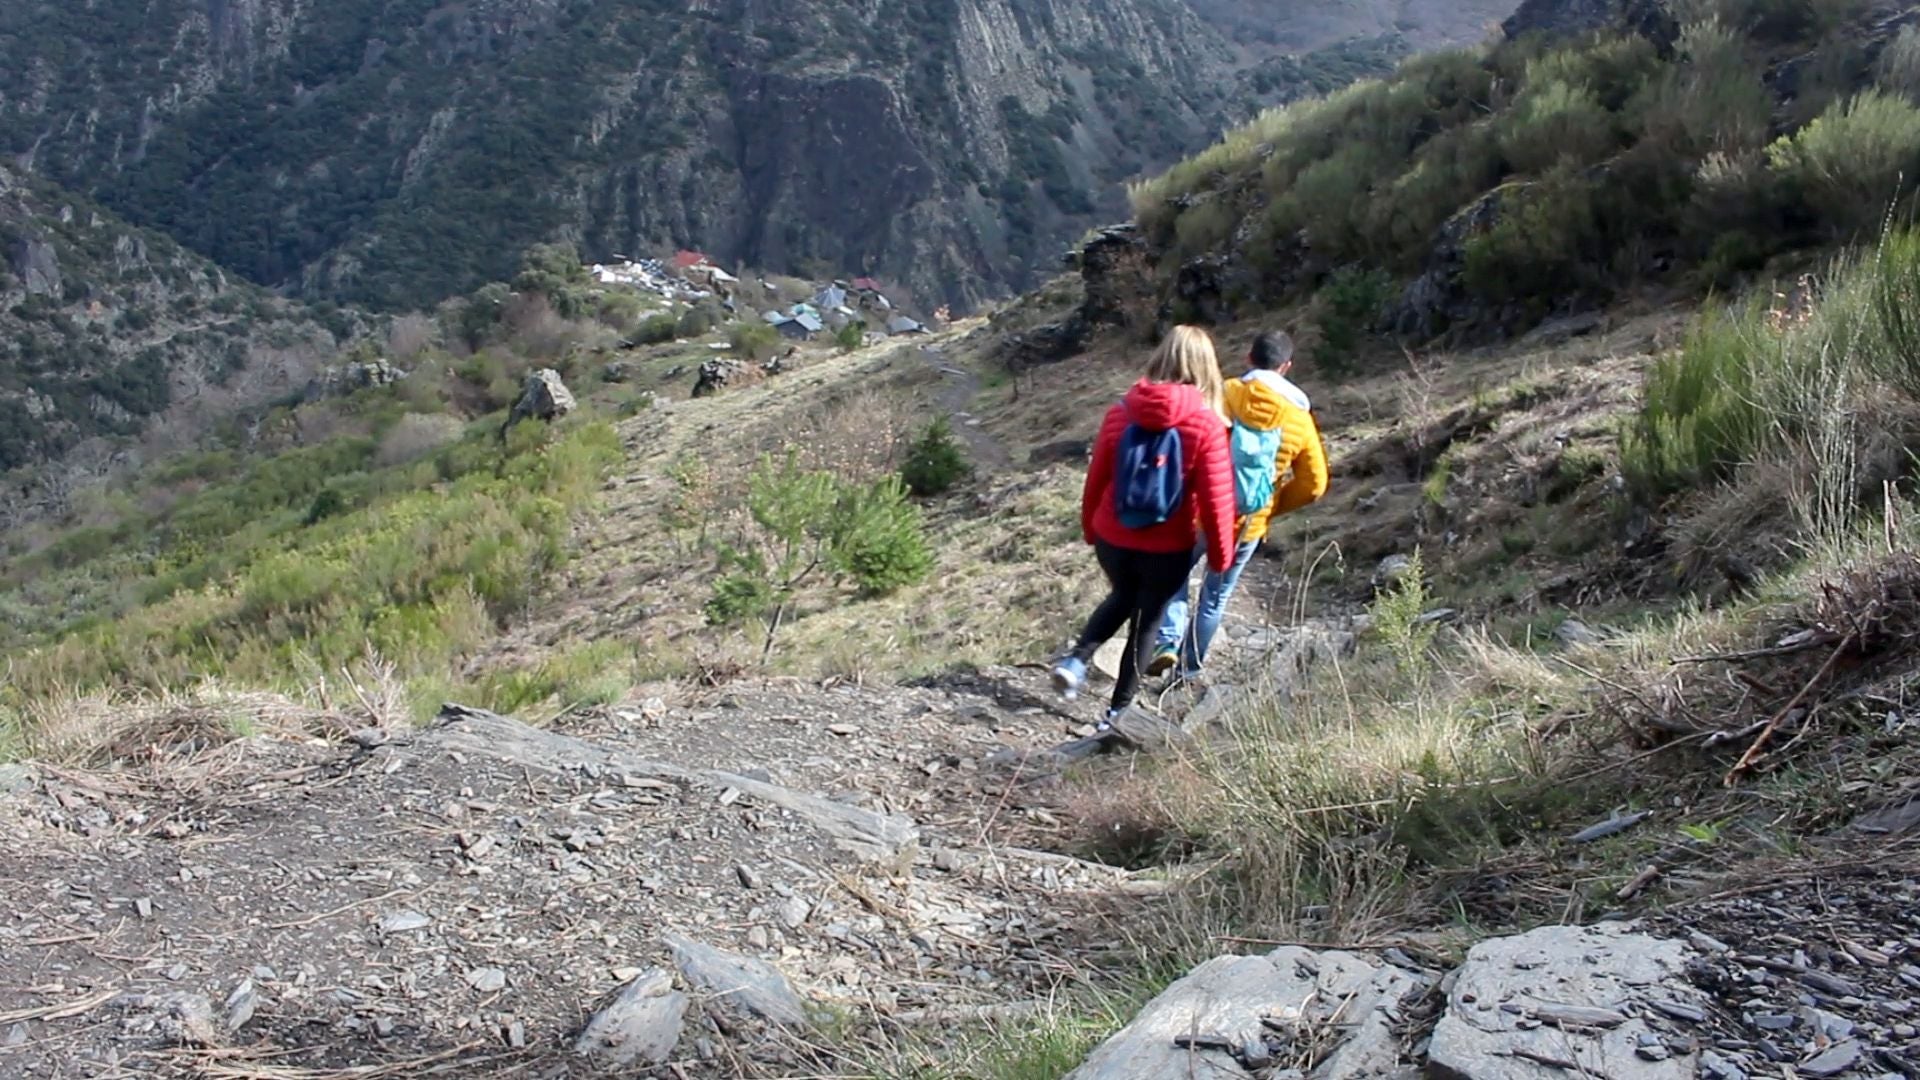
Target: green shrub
1898,69
1700,414
1397,619
851,336
740,596
935,463
619,310
753,340
879,539
656,330
699,321
1352,302
555,271
1540,245
1555,123
1853,161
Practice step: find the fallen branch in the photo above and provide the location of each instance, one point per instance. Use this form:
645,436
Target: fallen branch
342,910
357,1072
61,1012
1639,882
1814,642
1766,733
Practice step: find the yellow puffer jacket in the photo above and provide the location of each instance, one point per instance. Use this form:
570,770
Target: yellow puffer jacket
1266,401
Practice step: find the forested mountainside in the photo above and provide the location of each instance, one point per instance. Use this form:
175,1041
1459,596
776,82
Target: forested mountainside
394,152
105,327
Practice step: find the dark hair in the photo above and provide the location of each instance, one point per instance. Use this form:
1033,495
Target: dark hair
1271,349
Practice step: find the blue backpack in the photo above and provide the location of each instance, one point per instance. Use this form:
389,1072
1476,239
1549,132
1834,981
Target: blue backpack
1255,468
1148,476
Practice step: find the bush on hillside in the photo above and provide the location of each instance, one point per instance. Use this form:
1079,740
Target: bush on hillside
851,336
1352,303
879,538
1826,382
1854,161
934,462
1898,69
1555,123
753,340
656,330
555,272
1540,247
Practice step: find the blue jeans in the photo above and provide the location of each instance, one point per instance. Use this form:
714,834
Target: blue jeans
1214,593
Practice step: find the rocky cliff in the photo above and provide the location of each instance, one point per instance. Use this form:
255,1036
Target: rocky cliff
394,153
105,328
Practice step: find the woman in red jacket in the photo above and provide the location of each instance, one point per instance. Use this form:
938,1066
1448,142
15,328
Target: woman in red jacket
1162,475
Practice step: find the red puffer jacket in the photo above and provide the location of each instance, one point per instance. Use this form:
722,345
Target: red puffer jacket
1207,501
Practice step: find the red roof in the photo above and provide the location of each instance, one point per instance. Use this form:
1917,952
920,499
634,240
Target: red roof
687,260
867,284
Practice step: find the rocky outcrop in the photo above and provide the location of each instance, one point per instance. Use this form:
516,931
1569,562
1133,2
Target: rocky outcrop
864,833
543,397
715,375
352,378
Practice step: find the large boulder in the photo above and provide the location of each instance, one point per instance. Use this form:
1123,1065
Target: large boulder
1580,995
714,376
1235,1013
544,397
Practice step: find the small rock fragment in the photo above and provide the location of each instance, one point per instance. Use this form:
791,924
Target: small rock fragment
400,922
487,980
1833,1061
240,1005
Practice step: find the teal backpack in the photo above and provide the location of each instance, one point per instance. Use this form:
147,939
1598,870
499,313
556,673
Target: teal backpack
1254,470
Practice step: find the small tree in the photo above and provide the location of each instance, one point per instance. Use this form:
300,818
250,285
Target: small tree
934,463
851,336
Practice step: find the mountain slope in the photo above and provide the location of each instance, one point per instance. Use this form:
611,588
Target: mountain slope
394,152
105,328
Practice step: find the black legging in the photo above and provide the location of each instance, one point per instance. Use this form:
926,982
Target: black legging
1143,582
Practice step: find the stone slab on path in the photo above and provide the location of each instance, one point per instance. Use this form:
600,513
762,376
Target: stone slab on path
1565,1000
863,833
1236,1011
640,1026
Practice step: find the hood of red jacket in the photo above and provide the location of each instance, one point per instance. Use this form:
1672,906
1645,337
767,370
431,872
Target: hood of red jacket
1163,406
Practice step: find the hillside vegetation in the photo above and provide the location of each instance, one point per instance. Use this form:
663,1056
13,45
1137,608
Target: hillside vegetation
1556,171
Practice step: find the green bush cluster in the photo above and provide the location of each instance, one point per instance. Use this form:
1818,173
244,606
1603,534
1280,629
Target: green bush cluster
1589,164
1827,383
935,462
811,522
306,560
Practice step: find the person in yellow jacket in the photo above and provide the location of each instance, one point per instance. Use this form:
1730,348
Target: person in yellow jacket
1279,466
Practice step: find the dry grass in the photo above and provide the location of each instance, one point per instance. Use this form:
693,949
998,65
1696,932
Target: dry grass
130,730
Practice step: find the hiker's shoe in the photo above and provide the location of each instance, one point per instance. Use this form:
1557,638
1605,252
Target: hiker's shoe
1106,721
1162,662
1069,676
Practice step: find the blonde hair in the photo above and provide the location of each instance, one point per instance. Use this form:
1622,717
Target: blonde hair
1187,356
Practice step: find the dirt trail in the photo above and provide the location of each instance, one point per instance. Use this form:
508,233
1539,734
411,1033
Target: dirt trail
959,390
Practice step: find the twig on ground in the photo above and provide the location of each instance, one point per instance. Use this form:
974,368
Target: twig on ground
342,910
61,1011
1766,733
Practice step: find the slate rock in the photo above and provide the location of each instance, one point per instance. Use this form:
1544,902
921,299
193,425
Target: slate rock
864,833
1833,1061
740,982
15,779
1230,1001
640,1026
1566,985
